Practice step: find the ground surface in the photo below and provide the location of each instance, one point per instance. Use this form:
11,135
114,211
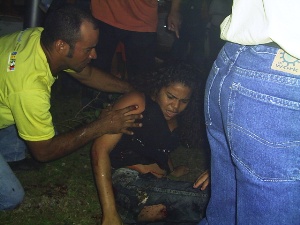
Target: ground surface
63,192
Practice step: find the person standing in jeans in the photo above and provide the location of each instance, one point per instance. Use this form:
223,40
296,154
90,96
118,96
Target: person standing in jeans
252,109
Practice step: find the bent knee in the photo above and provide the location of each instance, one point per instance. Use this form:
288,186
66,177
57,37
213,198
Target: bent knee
12,200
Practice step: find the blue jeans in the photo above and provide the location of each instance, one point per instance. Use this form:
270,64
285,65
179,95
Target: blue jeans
12,148
253,123
133,191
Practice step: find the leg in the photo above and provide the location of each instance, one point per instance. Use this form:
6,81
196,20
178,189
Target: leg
140,48
252,116
11,191
149,198
105,49
106,46
13,148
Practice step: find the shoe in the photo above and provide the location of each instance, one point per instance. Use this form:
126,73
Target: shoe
27,164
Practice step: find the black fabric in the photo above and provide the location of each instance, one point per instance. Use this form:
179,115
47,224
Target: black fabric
150,144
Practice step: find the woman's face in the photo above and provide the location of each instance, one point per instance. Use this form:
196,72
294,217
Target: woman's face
173,99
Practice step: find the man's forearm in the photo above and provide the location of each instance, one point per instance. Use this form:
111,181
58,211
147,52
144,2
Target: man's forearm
64,144
102,81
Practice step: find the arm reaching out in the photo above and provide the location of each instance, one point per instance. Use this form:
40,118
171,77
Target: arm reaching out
109,121
102,81
102,165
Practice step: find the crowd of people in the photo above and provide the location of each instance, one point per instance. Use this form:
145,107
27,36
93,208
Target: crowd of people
251,108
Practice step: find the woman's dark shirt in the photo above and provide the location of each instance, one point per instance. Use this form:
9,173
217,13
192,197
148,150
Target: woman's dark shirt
150,144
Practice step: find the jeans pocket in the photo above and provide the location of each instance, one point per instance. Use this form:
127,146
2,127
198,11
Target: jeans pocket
264,134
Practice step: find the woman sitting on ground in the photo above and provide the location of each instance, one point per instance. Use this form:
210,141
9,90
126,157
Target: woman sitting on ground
131,172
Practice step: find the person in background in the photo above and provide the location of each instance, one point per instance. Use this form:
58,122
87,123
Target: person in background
134,173
252,111
189,44
218,11
134,23
30,62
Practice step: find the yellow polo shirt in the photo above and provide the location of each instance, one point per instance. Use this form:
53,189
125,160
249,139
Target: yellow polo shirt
25,85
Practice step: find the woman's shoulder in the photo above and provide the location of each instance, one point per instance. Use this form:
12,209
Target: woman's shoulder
131,98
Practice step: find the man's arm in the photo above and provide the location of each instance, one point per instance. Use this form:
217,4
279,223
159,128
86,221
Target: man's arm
102,81
102,166
110,121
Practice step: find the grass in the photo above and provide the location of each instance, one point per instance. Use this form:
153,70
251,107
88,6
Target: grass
63,192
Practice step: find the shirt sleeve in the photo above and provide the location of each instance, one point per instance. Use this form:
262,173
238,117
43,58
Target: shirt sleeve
33,119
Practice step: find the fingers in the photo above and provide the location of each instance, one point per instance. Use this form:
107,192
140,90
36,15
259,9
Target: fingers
125,131
129,109
118,121
132,124
203,181
177,33
204,185
175,29
133,117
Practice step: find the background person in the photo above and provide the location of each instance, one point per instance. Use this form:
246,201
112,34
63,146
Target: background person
134,23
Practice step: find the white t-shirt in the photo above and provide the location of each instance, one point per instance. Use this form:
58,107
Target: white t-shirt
255,22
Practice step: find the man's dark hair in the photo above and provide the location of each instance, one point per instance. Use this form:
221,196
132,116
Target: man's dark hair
64,23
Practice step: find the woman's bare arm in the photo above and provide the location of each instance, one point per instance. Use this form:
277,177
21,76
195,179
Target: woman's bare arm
102,165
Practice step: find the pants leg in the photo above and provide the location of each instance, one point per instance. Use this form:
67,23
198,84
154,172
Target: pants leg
134,191
252,115
12,147
140,49
106,46
11,191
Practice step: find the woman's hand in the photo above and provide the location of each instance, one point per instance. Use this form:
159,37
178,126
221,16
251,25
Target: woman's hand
202,181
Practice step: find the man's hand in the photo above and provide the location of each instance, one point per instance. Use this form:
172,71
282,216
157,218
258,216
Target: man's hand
174,22
117,121
174,17
203,181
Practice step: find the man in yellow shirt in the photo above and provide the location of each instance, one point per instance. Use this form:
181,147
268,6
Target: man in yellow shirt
29,62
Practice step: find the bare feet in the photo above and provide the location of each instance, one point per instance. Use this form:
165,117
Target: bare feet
152,213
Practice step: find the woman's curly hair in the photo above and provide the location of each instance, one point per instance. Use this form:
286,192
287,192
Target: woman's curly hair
191,120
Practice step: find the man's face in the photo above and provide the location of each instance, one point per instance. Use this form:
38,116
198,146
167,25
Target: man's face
84,49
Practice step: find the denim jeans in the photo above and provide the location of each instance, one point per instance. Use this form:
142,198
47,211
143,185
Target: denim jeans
12,148
133,191
253,123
